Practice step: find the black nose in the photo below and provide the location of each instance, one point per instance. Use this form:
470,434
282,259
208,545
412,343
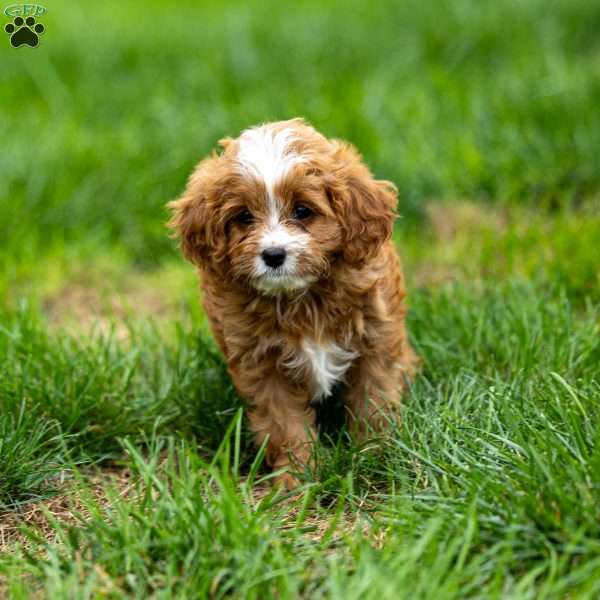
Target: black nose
273,257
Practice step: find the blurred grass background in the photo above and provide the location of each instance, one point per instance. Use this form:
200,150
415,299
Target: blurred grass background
100,125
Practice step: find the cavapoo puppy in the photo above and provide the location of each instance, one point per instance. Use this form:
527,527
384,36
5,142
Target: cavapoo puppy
301,282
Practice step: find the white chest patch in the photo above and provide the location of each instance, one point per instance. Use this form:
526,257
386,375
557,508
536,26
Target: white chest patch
328,363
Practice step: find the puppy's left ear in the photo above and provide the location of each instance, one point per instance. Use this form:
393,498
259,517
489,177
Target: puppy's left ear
195,215
366,207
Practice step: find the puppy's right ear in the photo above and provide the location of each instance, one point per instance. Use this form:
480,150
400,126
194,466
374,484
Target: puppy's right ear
191,219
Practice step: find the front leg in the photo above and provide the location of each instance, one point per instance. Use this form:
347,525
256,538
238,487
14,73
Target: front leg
375,386
282,412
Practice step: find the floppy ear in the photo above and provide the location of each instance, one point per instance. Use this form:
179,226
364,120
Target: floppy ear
194,220
365,206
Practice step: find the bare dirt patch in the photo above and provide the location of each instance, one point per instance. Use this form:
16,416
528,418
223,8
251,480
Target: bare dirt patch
455,231
62,507
77,308
448,221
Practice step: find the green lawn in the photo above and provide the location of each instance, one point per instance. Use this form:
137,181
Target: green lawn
125,466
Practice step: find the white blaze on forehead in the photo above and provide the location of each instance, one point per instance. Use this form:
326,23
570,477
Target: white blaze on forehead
265,153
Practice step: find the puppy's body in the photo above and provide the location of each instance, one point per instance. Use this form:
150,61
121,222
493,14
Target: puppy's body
301,283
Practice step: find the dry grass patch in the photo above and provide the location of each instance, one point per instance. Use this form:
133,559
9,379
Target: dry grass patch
63,507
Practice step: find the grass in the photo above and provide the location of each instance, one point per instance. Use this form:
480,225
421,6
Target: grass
491,485
125,466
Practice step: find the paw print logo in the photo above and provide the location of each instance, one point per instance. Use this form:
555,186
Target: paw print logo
24,31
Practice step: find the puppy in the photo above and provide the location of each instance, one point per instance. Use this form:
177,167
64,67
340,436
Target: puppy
301,282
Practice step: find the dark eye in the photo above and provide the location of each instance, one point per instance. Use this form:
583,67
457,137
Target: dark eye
245,217
302,212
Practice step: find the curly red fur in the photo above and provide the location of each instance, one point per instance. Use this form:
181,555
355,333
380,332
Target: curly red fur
341,298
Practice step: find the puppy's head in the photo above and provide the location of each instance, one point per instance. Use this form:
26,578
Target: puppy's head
280,207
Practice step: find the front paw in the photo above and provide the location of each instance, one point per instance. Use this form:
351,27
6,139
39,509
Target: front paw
286,481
